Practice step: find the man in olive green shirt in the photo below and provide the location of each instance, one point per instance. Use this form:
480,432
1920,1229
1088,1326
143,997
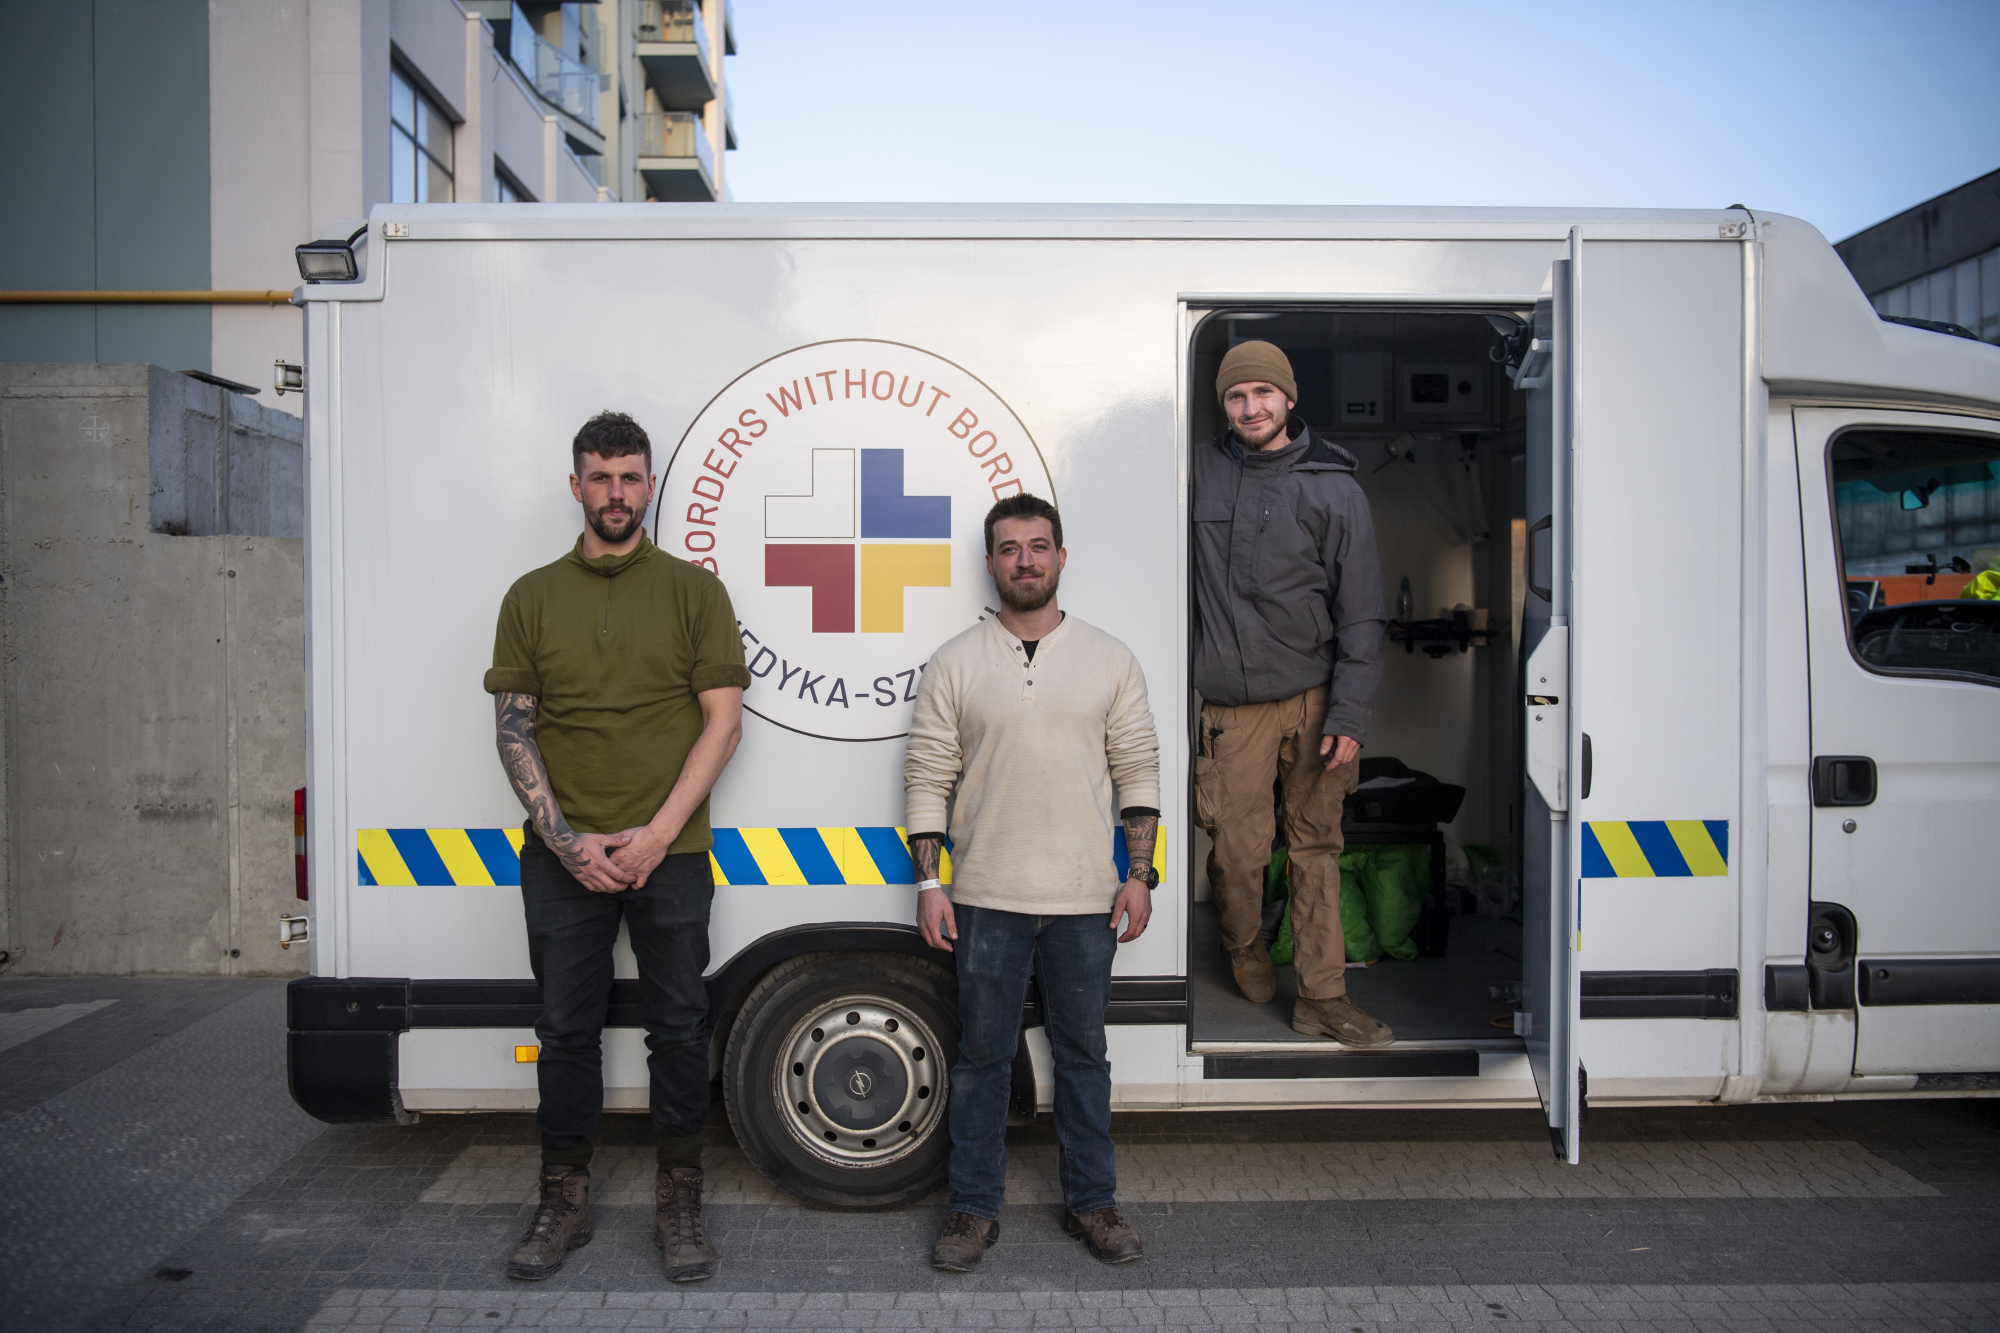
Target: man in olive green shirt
618,684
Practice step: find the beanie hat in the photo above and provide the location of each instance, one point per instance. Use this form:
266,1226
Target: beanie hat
1256,361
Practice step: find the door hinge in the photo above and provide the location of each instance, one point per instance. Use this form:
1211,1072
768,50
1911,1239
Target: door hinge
1733,231
288,377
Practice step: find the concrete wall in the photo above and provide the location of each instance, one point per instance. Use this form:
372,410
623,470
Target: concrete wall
152,688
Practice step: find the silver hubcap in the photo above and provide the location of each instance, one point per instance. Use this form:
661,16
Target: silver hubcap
860,1081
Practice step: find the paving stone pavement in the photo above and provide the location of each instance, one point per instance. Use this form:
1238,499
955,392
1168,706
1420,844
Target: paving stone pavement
1294,1173
178,1189
1829,1307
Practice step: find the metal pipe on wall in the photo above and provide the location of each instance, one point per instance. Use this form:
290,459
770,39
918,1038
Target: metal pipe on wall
272,297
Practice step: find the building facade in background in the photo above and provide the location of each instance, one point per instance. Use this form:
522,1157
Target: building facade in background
1938,261
188,145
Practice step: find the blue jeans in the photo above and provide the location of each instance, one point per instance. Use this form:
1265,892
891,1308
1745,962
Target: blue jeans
1071,957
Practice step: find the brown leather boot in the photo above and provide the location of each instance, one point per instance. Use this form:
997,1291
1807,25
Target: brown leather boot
561,1224
685,1252
1340,1019
1109,1237
1255,976
964,1242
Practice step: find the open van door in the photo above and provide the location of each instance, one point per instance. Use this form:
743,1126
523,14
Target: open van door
1551,987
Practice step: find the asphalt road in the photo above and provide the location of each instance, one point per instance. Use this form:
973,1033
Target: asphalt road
159,1177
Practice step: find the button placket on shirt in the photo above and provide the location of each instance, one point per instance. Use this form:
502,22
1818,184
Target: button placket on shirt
1027,676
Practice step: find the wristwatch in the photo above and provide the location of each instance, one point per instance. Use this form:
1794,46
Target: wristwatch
1145,875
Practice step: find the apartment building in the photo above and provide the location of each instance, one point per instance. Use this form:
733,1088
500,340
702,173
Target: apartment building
1939,261
182,148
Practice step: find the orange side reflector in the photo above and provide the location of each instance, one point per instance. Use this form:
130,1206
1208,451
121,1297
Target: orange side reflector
527,1055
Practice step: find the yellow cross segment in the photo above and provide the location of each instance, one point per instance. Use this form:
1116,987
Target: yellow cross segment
384,861
887,570
516,836
456,851
767,846
1623,851
1697,847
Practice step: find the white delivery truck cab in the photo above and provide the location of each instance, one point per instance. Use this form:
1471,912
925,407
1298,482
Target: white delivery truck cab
1680,540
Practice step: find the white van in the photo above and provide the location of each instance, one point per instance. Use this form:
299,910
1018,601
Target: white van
1674,530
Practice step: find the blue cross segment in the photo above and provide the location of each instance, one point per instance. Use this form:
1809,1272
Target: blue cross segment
887,512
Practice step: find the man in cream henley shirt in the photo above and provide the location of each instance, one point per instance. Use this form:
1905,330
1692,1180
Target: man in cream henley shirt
1040,722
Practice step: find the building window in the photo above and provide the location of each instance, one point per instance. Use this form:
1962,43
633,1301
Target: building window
1966,294
419,145
507,190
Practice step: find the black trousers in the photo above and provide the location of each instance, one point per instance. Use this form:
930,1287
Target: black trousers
570,934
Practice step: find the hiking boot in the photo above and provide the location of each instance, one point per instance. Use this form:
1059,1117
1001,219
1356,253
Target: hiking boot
964,1242
1109,1237
1255,976
685,1252
1341,1019
561,1224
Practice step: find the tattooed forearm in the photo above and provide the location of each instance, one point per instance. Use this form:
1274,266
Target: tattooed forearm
1140,830
514,726
924,850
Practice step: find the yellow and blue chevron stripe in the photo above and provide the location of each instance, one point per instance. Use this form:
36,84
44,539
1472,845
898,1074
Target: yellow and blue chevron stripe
1655,848
429,857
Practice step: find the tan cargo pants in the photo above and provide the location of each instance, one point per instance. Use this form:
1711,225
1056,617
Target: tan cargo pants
1243,753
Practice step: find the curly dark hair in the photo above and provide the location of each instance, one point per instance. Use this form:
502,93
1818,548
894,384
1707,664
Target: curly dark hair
610,435
1023,505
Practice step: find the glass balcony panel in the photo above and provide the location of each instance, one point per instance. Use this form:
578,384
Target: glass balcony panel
673,21
675,134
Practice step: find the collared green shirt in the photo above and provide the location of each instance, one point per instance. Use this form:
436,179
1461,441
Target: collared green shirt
615,651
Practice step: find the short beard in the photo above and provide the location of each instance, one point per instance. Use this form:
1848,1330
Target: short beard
1283,423
1017,599
613,535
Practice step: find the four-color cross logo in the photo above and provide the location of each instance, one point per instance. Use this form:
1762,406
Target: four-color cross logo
840,491
886,566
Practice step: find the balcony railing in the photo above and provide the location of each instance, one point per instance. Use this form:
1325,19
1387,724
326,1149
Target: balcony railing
675,134
561,81
673,21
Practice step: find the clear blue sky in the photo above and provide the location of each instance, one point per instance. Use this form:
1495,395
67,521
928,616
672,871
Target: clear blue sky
1839,113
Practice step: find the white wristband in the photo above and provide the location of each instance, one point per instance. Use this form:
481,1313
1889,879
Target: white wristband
930,884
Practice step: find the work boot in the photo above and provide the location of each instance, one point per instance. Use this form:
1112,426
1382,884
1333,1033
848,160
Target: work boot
1341,1019
1109,1237
1255,976
964,1242
685,1252
561,1224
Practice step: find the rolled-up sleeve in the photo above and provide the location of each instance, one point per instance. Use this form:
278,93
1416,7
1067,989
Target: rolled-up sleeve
1131,743
718,644
513,670
935,756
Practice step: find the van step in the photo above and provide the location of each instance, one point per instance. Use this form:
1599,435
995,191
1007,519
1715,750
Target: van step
1427,1062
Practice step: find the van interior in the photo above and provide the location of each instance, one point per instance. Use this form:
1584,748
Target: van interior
1423,400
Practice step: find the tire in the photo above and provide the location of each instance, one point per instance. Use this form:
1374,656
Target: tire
836,1078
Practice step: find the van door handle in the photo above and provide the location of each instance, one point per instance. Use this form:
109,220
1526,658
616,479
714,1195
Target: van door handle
1542,590
1843,779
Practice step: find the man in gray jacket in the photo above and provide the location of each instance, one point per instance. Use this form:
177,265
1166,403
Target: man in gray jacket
1287,655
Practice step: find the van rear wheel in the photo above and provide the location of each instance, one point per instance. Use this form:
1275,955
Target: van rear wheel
836,1078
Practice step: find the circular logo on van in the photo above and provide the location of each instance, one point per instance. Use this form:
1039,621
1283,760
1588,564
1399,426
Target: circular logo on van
840,491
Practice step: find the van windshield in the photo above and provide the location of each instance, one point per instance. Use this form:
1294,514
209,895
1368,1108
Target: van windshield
1918,515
